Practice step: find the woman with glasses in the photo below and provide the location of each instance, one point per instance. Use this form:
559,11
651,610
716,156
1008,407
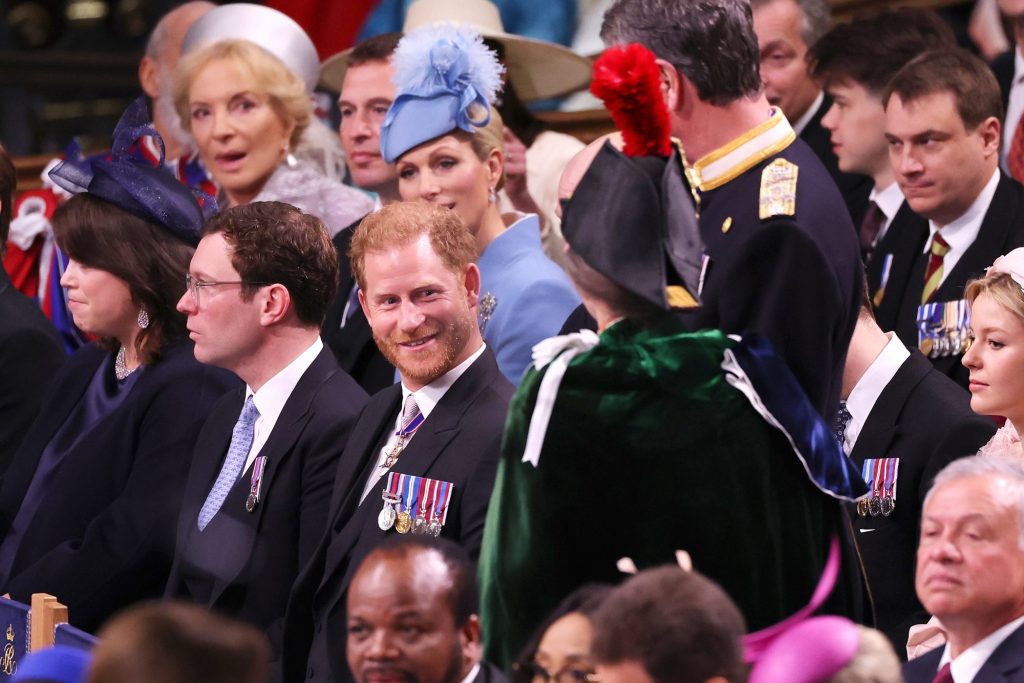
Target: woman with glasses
89,505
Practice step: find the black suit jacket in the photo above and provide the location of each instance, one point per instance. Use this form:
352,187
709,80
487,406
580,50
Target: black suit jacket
353,344
103,536
1005,665
1002,230
459,443
30,356
1003,68
854,187
242,562
796,279
925,420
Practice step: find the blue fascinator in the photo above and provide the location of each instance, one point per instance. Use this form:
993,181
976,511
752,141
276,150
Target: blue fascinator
440,72
127,180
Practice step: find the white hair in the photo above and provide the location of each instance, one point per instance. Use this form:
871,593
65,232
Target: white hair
1006,467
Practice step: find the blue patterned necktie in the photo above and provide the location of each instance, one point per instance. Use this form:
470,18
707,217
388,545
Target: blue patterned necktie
238,451
839,422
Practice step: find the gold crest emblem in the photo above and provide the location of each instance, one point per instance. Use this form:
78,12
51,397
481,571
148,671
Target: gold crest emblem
7,664
778,189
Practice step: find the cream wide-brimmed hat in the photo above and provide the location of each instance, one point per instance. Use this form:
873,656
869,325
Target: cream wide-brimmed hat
537,69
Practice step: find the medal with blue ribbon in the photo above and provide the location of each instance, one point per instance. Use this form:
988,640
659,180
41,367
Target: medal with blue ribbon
439,508
409,494
867,473
386,518
886,269
427,488
889,497
403,434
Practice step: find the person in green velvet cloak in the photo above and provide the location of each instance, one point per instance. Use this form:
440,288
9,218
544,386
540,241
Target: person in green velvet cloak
646,439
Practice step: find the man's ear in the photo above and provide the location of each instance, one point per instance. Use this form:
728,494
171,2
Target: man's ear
671,84
469,637
275,303
990,132
149,76
471,280
362,304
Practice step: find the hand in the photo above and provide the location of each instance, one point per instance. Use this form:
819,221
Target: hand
515,174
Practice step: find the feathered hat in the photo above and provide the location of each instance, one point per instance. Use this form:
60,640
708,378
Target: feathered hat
132,183
631,217
446,79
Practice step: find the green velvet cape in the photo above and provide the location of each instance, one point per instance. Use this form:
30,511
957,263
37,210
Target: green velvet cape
649,450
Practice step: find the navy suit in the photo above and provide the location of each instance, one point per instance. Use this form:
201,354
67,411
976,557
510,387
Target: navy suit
30,356
1005,665
353,344
1002,230
103,536
459,443
925,421
242,562
854,187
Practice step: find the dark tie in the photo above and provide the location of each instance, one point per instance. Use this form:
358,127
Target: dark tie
839,422
944,675
870,226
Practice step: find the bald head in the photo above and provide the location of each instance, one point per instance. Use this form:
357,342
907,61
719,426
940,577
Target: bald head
578,165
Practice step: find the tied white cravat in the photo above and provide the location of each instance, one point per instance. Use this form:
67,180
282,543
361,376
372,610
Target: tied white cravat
555,353
241,442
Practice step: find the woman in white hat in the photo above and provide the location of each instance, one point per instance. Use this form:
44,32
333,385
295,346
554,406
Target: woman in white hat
446,142
996,355
243,90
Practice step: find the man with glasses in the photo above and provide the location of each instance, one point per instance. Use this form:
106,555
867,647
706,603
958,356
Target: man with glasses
258,492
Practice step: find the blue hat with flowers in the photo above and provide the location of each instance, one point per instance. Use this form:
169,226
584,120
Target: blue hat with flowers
441,72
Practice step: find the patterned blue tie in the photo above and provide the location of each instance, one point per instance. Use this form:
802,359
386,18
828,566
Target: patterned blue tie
839,422
238,451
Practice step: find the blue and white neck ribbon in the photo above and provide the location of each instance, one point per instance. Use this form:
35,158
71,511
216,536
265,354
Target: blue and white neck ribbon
555,353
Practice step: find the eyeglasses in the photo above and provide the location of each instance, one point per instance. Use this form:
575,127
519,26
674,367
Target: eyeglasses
570,673
193,285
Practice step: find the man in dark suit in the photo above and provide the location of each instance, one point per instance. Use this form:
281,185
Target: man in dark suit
1008,69
781,255
362,75
256,501
429,584
970,572
426,448
907,421
942,123
786,29
30,350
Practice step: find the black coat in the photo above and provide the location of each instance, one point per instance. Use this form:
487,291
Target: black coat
1002,230
353,344
795,279
459,443
854,187
103,537
243,561
1005,665
924,420
30,356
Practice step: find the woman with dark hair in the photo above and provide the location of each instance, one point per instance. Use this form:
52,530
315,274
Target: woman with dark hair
89,504
559,650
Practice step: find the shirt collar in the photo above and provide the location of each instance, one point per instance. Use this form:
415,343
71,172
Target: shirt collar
737,156
878,375
969,663
271,397
960,233
888,200
429,396
472,673
802,122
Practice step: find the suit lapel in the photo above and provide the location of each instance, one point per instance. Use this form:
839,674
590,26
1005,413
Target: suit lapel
909,233
1004,661
882,424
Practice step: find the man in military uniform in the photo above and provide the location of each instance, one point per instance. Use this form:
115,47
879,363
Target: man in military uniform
781,254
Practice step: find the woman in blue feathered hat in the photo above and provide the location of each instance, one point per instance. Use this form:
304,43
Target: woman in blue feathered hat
446,140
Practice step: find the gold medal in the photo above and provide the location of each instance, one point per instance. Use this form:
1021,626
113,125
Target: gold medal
403,523
862,507
926,346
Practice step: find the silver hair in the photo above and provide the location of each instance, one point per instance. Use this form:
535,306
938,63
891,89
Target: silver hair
816,21
998,462
157,43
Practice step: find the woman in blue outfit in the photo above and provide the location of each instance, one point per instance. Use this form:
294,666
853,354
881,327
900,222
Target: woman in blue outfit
446,140
89,504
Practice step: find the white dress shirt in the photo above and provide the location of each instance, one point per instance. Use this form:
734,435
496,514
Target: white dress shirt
1014,108
426,399
272,396
965,667
801,123
864,395
961,233
889,202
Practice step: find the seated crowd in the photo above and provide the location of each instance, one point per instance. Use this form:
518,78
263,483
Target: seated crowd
729,394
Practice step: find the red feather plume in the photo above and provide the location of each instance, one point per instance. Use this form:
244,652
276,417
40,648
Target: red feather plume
626,78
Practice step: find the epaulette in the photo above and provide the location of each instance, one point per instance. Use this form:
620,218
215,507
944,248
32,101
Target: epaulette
778,189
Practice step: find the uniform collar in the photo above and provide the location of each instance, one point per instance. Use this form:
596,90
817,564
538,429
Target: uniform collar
737,156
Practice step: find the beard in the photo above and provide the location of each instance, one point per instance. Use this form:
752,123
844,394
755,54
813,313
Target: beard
450,341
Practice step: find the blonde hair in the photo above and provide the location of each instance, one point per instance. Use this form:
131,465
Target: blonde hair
287,92
875,661
400,223
489,138
1003,289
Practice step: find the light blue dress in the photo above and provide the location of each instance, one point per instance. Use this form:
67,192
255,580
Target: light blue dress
524,297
